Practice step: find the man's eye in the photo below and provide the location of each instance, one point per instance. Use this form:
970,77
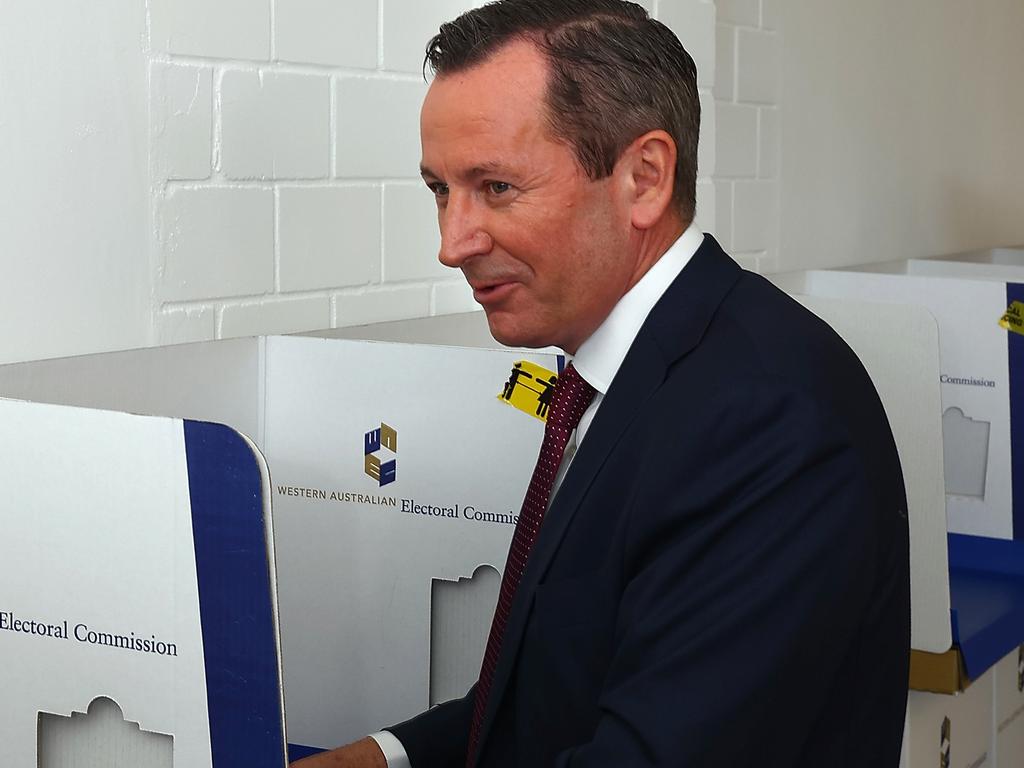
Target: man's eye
498,187
439,189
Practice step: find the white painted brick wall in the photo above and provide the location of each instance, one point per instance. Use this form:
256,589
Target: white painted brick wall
274,126
411,238
694,25
216,242
408,25
181,121
225,29
271,316
285,155
328,237
378,127
338,33
740,11
747,94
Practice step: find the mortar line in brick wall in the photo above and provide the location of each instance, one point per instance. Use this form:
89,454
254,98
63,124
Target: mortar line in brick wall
381,273
332,128
757,145
735,64
273,30
218,322
148,29
380,34
218,303
222,182
740,25
277,240
273,299
289,67
383,288
188,307
218,125
191,185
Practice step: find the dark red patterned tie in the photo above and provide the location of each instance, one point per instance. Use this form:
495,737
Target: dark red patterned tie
571,397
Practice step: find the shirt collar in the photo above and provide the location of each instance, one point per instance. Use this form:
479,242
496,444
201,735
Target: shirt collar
599,357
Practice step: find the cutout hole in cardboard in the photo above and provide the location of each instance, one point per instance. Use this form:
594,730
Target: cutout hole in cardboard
965,453
101,737
460,620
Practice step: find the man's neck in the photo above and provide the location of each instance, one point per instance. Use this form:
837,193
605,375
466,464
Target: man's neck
652,245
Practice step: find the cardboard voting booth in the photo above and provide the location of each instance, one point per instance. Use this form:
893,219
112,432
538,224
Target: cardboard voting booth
136,581
982,375
398,470
973,298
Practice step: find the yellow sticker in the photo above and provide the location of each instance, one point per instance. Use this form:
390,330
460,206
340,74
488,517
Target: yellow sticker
1013,320
529,388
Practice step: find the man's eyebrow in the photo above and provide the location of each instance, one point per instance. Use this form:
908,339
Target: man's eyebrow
484,169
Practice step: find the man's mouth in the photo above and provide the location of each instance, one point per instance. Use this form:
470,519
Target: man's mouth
491,292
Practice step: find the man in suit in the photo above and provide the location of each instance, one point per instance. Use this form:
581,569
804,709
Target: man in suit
719,575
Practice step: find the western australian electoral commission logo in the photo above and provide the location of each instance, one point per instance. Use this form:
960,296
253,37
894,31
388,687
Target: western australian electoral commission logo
380,449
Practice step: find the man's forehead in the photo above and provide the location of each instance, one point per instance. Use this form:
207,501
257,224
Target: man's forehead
516,71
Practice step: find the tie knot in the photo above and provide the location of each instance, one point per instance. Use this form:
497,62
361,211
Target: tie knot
571,397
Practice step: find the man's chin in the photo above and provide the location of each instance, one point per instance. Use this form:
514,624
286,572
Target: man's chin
512,335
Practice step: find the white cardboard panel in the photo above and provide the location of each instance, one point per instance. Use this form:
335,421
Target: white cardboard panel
905,369
468,329
357,560
209,381
966,270
98,534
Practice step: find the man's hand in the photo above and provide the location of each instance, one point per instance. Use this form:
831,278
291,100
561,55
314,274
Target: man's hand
362,754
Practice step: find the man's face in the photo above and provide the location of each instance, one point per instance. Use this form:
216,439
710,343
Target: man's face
544,247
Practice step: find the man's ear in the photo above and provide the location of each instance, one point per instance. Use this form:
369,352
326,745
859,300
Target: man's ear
648,168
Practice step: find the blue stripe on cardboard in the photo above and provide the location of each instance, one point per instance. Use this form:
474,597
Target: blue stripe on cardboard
1015,359
239,642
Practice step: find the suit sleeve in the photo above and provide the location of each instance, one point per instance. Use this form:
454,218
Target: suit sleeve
439,737
747,562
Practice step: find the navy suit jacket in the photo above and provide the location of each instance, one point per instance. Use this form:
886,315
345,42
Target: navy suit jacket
723,578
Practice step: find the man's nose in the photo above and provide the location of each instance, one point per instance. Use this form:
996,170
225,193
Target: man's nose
463,232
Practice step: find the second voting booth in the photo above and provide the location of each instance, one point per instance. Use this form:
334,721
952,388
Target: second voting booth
976,300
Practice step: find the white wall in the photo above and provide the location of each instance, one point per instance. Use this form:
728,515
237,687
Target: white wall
74,197
747,91
903,125
177,170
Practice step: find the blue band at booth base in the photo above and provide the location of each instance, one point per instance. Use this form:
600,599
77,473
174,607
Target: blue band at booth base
986,589
239,639
1015,362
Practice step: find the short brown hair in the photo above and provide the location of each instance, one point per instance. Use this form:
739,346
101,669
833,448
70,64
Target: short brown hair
616,73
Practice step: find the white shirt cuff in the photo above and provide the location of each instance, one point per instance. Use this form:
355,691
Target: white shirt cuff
392,748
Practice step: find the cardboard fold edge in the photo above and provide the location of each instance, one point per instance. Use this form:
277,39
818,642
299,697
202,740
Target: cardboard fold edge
938,672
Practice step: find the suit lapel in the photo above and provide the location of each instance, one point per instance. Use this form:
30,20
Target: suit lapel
672,329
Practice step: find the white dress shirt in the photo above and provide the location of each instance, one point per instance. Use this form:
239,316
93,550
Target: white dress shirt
598,360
